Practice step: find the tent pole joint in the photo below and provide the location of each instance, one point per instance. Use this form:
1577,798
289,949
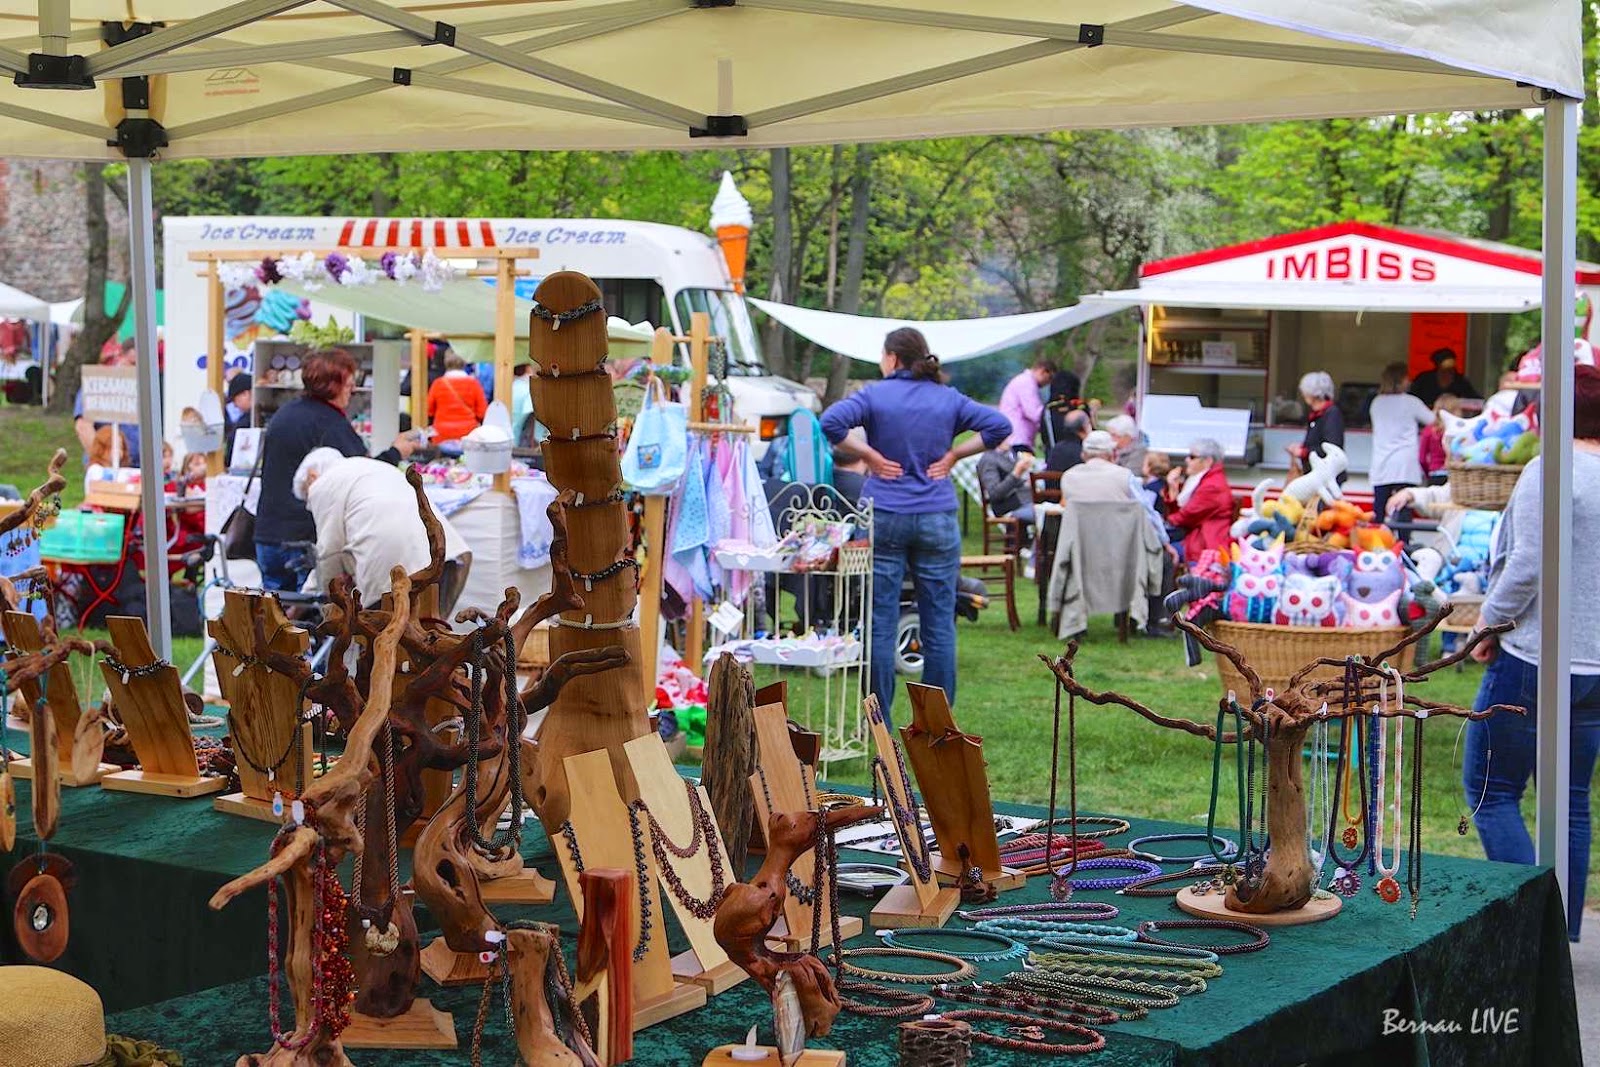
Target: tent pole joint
1091,35
140,138
402,75
722,126
444,33
55,72
704,4
135,88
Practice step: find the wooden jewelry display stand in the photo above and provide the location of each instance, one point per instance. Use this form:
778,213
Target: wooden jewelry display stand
603,988
729,757
920,902
954,780
599,834
1281,720
781,783
264,711
60,692
156,718
604,710
665,795
313,848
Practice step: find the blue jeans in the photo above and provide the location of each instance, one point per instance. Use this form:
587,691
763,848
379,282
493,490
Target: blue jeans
929,545
283,568
1500,758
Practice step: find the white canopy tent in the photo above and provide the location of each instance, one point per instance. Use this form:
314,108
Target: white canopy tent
16,304
262,77
861,336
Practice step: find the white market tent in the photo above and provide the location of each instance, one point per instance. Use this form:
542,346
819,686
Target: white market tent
952,340
266,77
16,304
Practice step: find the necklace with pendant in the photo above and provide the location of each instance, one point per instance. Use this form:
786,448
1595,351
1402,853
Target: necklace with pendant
1388,889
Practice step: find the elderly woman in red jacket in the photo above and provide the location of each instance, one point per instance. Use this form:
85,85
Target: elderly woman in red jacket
1201,502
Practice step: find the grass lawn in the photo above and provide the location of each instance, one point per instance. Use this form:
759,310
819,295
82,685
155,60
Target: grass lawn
1125,764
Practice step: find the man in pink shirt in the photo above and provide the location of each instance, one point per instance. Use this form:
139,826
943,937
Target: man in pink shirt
1022,404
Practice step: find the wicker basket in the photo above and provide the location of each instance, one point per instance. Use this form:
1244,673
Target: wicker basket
1465,615
1487,487
1277,652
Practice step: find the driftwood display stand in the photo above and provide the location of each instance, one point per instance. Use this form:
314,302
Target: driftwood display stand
783,784
156,718
449,870
74,727
665,794
729,757
605,710
264,711
920,902
598,834
1281,720
804,1000
954,780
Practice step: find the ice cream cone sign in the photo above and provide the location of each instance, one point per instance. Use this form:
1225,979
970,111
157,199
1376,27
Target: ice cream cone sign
731,221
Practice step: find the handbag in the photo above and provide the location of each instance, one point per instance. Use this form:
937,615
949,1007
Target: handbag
654,460
238,531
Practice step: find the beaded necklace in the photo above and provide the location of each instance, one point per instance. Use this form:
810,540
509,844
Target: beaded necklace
1346,882
997,996
1026,1034
1387,888
569,835
511,840
1319,821
1095,989
704,834
1061,880
799,890
607,571
1033,930
907,817
1046,910
1414,854
382,935
1156,885
1005,946
556,318
1260,939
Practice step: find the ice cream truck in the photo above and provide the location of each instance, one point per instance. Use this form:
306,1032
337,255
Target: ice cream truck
645,271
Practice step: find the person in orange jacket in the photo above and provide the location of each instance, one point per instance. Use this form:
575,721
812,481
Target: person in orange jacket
455,402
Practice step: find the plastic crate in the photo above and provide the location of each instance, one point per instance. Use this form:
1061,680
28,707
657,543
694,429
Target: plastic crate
83,537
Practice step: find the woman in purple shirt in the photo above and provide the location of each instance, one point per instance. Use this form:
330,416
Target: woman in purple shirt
912,419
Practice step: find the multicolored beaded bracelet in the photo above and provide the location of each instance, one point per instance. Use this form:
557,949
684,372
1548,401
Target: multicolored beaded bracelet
1029,930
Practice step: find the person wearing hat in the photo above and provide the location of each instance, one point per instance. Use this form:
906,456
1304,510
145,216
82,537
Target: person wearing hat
236,415
1445,377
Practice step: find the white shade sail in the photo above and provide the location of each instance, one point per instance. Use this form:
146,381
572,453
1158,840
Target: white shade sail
861,336
16,304
276,77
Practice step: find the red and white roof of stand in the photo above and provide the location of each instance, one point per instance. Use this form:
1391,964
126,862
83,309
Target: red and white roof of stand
1351,266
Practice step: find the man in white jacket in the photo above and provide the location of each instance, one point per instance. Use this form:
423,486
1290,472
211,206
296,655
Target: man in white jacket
367,521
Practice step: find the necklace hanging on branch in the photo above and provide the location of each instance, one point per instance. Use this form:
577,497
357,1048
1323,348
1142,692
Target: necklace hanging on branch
1388,889
381,932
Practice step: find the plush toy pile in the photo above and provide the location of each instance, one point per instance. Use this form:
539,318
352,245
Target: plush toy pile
1357,590
1494,437
1464,571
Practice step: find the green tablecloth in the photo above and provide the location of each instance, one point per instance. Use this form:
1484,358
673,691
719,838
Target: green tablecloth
1487,936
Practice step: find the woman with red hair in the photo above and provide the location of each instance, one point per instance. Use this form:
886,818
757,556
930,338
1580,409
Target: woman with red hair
317,419
1502,750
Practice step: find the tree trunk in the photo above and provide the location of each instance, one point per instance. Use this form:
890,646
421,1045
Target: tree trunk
1286,883
99,326
780,344
855,261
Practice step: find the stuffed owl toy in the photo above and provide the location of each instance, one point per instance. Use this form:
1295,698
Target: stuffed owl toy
1308,600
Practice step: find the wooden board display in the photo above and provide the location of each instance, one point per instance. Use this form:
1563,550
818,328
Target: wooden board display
22,632
263,706
920,902
665,793
604,838
782,784
156,719
954,781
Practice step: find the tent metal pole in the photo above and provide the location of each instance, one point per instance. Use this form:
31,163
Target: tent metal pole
142,272
1553,770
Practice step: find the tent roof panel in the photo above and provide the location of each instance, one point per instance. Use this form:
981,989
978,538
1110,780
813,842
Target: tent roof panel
610,74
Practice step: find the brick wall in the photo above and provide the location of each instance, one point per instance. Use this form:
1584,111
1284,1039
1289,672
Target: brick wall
42,232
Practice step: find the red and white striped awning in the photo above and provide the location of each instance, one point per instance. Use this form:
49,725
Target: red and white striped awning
417,233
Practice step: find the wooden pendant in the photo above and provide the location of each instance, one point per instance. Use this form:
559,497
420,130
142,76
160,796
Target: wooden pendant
88,745
40,918
46,773
8,811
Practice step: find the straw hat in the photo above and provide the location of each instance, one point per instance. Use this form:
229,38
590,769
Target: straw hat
49,1019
